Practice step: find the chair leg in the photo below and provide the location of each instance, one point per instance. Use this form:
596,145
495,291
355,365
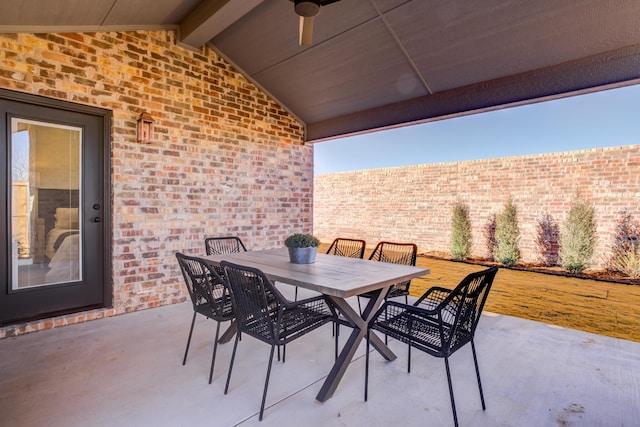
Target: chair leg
186,351
366,370
336,325
266,384
215,347
233,356
453,403
475,361
409,358
359,307
386,337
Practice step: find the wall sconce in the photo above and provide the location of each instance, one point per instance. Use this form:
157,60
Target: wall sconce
145,128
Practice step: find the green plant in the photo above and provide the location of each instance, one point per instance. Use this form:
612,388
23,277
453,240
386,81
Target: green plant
507,235
461,239
627,263
626,248
301,240
578,237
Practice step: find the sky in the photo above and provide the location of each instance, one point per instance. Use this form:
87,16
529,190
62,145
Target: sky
601,119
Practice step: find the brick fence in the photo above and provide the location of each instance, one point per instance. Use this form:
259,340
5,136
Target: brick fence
415,203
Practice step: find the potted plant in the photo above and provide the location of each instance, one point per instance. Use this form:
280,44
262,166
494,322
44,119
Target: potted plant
302,248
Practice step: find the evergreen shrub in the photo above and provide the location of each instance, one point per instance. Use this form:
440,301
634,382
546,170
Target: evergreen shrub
578,237
506,250
461,239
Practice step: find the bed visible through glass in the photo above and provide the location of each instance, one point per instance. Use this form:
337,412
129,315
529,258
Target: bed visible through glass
45,199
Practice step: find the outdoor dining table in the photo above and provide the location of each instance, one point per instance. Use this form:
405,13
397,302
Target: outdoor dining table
338,278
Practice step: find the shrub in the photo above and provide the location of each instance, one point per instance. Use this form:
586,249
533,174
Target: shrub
301,240
461,239
506,250
627,263
578,237
489,232
548,240
625,258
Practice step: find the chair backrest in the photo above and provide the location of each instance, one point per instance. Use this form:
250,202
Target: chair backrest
397,253
206,288
462,308
223,245
352,248
254,297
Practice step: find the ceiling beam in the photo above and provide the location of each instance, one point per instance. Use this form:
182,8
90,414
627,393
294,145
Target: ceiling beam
210,18
618,67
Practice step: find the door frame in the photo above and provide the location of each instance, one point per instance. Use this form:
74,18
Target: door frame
106,117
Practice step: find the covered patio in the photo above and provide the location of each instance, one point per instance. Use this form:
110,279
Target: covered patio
126,371
236,106
235,115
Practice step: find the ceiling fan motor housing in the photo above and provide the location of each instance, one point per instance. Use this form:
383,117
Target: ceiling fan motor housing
307,8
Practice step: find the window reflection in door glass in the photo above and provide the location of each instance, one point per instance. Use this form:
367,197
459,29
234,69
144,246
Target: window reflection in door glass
45,199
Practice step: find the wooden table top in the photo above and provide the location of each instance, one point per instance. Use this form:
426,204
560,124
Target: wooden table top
331,275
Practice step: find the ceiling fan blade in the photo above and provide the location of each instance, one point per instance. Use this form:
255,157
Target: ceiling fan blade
306,30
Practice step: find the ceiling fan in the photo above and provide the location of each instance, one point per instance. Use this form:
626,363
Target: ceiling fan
307,10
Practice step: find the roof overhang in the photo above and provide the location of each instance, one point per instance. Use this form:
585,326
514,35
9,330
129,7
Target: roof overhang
376,64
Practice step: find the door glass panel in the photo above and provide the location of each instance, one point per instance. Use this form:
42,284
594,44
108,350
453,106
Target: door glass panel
45,200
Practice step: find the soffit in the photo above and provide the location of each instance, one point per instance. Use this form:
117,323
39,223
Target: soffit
384,63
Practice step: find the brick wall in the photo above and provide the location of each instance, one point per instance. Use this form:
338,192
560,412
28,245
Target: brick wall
415,203
226,159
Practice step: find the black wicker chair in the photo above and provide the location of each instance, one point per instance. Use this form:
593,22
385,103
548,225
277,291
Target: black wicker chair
262,312
397,253
439,323
351,248
223,245
209,295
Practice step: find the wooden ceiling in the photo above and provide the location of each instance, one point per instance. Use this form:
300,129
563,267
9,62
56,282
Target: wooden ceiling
376,64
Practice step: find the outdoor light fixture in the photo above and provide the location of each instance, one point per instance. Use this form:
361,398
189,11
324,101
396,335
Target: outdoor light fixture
307,8
145,128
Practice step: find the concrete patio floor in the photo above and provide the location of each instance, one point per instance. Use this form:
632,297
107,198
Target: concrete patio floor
126,371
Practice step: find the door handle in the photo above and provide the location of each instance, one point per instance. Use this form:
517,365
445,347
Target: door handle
97,219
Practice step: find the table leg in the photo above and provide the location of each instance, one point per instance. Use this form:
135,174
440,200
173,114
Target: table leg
357,335
371,308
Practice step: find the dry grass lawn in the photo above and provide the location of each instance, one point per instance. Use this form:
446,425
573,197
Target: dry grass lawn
604,308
